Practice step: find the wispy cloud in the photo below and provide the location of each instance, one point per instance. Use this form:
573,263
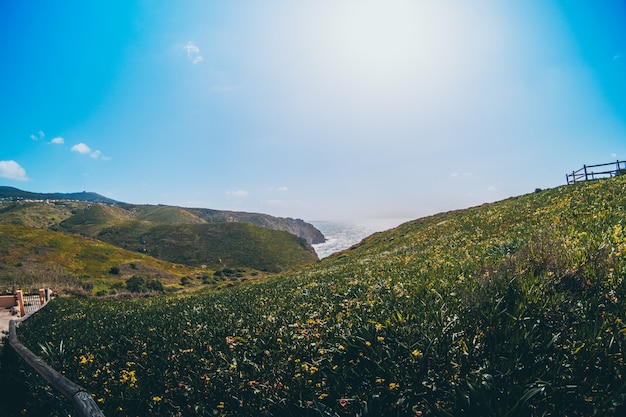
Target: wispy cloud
458,174
38,135
193,52
13,171
86,150
238,193
58,141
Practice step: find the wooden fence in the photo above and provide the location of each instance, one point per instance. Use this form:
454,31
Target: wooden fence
588,172
82,400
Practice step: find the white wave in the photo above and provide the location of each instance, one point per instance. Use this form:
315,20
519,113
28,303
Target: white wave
341,235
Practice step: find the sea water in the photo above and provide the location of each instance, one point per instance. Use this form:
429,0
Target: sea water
341,235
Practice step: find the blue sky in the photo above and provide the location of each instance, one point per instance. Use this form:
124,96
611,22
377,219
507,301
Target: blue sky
324,109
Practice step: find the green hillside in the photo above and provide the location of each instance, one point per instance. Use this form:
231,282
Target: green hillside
34,257
18,206
90,219
34,214
195,237
214,244
508,309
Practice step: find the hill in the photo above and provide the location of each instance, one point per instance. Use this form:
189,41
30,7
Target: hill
512,308
216,245
11,193
203,237
39,257
14,199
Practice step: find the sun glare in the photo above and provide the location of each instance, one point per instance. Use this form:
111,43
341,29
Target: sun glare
376,41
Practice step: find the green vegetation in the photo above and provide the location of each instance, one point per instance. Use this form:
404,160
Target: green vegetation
139,284
35,258
32,255
213,244
508,309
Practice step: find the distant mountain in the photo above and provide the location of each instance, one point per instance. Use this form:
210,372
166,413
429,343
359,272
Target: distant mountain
17,194
196,238
117,211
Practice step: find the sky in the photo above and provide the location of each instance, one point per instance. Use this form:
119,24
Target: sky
315,109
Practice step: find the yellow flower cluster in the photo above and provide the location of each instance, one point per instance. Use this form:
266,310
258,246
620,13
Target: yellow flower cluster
128,377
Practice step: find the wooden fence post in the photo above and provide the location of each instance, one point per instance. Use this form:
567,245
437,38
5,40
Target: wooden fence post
83,402
19,294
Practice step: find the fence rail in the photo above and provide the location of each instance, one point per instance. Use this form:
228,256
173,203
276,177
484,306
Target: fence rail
587,172
83,402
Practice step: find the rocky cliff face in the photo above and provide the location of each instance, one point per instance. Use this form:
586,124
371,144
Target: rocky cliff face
297,227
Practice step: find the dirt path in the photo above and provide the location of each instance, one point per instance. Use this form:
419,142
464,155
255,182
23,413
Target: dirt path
5,317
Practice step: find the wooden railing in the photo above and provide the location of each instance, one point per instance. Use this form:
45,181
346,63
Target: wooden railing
83,402
587,172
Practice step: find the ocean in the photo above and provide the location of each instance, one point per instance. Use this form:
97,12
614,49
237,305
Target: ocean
341,235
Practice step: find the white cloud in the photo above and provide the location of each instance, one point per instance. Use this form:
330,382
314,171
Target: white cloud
238,193
84,149
39,135
58,141
193,52
81,148
491,188
13,171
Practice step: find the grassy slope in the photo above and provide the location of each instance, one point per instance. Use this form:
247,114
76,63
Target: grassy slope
35,214
170,233
213,244
30,255
513,308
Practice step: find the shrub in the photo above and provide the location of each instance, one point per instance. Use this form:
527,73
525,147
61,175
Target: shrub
136,284
155,285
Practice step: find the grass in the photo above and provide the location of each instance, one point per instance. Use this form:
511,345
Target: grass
213,244
508,309
35,258
194,237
